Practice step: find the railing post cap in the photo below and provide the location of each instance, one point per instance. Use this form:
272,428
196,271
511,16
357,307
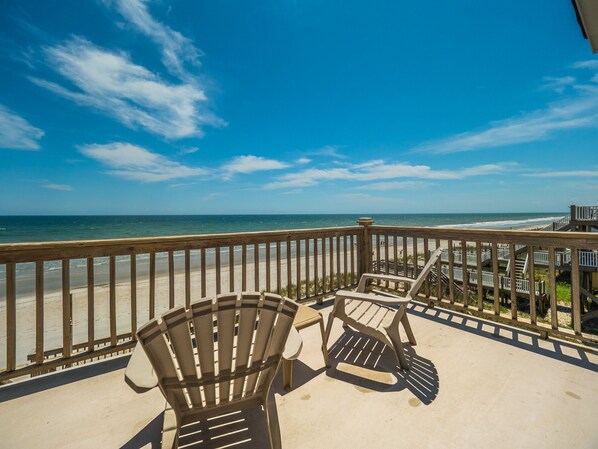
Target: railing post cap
365,221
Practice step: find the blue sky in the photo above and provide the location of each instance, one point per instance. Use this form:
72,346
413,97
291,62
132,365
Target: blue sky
211,107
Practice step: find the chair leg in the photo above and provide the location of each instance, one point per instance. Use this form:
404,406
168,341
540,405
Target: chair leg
324,348
398,347
408,330
287,374
170,429
328,328
272,421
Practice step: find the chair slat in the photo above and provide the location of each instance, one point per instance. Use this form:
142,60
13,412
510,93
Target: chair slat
203,323
247,320
180,340
226,308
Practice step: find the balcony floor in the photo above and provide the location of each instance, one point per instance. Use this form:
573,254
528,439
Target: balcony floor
472,384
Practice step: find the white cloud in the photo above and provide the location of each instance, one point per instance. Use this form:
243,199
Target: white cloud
16,133
137,163
176,49
329,151
580,112
395,185
379,170
558,84
188,150
303,161
64,187
590,64
249,164
109,82
564,174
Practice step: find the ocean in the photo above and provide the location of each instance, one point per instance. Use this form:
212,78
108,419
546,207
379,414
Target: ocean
15,229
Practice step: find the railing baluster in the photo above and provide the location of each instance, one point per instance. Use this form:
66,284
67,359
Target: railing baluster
307,263
331,249
386,258
438,274
267,267
218,272
316,274
298,267
465,273
90,304
67,313
495,278
187,278
345,261
289,268
352,243
39,312
170,279
513,276
324,284
202,262
11,317
405,260
552,279
278,269
480,284
244,267
256,267
575,299
231,268
415,258
338,262
152,285
112,281
426,258
133,274
532,285
378,257
451,272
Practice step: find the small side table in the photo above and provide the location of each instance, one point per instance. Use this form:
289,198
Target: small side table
305,317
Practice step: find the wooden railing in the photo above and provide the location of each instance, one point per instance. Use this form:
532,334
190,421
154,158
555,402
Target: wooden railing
585,213
399,250
68,302
64,303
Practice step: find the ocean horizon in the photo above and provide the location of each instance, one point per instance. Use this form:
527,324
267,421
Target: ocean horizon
45,228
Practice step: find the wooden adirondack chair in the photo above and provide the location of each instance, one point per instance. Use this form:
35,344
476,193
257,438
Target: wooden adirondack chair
218,356
378,314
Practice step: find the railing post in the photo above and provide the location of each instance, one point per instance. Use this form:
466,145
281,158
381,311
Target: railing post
365,245
573,217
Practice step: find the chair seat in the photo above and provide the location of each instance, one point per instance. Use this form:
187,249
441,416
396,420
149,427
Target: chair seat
373,315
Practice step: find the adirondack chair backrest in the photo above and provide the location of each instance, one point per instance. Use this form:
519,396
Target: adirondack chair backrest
424,273
220,351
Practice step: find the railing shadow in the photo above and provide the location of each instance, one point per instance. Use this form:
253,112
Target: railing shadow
560,350
34,385
369,364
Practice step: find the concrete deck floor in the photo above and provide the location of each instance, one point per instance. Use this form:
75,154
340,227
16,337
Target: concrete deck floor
472,384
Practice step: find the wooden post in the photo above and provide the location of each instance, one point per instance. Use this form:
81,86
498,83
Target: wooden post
364,245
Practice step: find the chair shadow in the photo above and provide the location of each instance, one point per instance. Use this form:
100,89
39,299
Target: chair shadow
302,374
369,364
560,350
245,428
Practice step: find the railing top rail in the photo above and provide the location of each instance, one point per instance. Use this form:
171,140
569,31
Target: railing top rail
535,238
74,249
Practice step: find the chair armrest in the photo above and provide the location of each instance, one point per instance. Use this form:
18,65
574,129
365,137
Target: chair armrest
396,300
140,375
293,346
388,277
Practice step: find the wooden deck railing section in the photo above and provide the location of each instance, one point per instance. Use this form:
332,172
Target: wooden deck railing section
132,280
144,277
